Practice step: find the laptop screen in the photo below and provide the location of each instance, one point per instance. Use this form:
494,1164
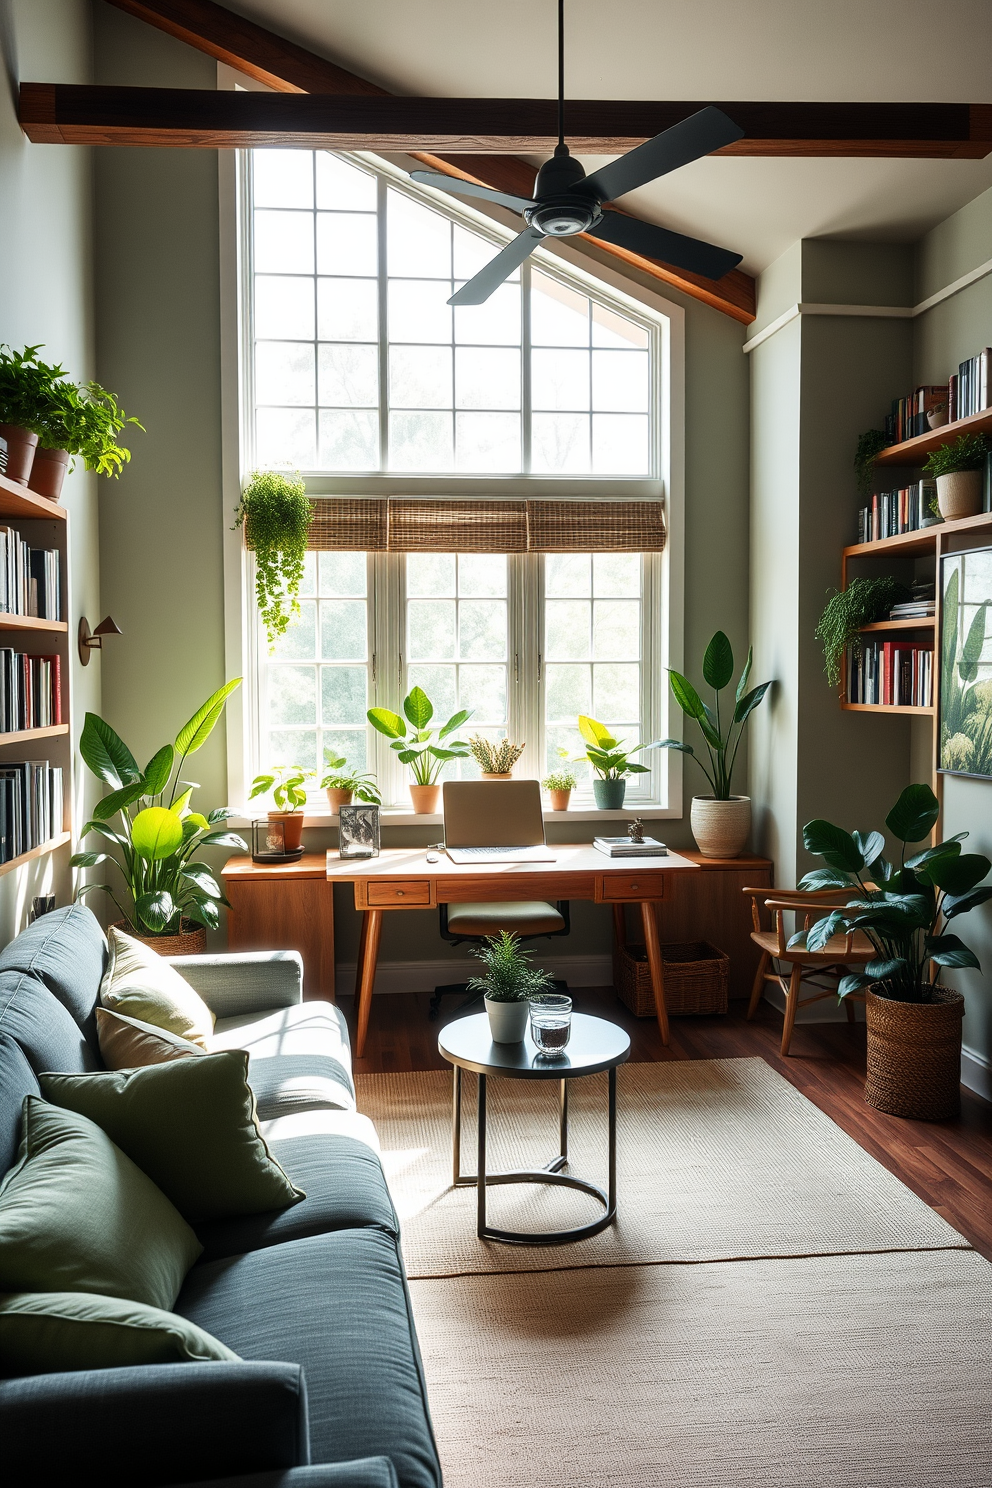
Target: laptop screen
492,813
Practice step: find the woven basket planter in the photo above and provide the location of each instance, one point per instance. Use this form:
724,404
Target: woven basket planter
696,977
192,942
914,1055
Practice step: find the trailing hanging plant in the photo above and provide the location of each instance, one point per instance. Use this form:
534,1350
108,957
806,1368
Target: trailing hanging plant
275,511
870,444
862,603
966,453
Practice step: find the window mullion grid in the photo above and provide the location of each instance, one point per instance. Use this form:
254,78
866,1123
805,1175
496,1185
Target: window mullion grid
383,304
652,685
526,578
525,373
316,350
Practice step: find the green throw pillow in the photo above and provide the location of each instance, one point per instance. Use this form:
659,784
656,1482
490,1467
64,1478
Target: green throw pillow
190,1125
46,1332
76,1215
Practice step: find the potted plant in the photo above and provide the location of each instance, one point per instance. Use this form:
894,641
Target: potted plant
275,512
610,761
82,420
862,603
560,783
914,1025
287,784
957,469
342,783
168,898
508,983
496,761
25,393
720,821
416,744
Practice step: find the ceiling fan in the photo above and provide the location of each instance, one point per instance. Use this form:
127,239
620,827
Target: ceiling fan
566,201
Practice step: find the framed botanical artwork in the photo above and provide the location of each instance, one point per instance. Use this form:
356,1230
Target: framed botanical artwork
358,831
965,703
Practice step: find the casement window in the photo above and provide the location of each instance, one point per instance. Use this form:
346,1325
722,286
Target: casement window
490,519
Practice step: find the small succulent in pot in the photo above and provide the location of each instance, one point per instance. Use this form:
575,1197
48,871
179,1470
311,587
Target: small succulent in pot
342,783
494,759
508,984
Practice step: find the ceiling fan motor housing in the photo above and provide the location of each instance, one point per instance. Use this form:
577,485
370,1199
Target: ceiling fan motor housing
561,207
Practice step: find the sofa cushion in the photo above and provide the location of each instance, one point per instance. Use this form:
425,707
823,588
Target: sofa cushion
34,1018
67,951
299,1057
338,1306
141,984
127,1043
46,1332
345,1189
17,1079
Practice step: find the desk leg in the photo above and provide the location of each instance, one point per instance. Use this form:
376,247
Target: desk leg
371,930
652,945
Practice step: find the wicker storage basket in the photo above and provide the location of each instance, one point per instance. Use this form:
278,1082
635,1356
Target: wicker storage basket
696,975
192,942
914,1055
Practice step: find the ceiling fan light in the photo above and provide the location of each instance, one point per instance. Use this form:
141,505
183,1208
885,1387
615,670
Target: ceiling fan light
562,219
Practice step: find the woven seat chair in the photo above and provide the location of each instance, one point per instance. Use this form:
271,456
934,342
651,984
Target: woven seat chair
790,969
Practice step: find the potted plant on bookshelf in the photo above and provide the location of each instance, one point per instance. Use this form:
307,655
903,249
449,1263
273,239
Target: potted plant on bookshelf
25,393
863,602
288,787
342,783
560,783
720,821
611,762
914,1025
421,747
275,512
957,469
508,984
166,897
83,420
495,761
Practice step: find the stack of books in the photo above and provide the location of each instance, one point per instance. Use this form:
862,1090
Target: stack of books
627,847
891,674
891,512
30,806
30,578
922,606
909,415
968,390
30,691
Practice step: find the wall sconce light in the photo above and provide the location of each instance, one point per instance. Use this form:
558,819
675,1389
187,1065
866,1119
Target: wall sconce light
90,640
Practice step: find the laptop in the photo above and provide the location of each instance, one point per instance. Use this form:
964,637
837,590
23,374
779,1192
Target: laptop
494,821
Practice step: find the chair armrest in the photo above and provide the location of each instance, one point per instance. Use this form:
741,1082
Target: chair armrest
154,1424
367,1472
241,982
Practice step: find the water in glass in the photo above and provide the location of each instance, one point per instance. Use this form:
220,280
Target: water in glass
550,1024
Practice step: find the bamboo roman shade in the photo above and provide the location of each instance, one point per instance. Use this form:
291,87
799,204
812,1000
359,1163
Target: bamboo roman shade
426,526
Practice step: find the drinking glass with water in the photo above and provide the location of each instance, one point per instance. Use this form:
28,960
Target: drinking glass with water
550,1023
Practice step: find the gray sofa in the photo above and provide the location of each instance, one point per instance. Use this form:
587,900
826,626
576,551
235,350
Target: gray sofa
313,1298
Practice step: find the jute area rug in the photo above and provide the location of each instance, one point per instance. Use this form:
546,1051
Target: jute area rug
773,1307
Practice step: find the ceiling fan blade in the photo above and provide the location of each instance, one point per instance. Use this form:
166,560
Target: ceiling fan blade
469,188
489,279
686,141
671,247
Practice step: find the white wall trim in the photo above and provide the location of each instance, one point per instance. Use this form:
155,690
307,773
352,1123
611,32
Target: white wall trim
951,289
424,976
976,1072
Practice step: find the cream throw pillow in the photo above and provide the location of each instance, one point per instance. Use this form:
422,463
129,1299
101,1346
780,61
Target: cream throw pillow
127,1043
140,984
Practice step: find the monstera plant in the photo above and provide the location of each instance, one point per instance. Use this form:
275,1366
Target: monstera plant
152,833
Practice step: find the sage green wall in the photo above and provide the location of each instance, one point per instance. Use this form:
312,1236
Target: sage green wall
46,296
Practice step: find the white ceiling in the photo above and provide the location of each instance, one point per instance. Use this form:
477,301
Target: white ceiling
870,50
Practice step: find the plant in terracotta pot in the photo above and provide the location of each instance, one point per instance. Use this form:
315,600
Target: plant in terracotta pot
611,762
343,784
508,984
720,821
560,783
287,785
957,469
26,394
496,761
914,1025
166,898
275,512
426,750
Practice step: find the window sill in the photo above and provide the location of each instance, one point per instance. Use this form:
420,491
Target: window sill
400,817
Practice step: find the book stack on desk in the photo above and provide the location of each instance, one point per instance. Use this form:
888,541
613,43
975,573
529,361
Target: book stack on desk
629,847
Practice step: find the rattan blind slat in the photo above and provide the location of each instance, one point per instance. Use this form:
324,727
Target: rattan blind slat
595,526
426,526
457,526
345,526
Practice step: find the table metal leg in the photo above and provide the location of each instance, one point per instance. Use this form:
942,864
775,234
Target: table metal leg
563,1120
481,1168
456,1125
613,1141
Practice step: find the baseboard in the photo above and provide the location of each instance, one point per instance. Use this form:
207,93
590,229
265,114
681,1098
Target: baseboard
976,1072
424,976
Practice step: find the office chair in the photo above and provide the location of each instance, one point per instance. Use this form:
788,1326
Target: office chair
464,924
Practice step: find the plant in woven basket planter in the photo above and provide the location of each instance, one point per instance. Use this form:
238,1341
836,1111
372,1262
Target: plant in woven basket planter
275,512
158,836
862,603
508,983
494,759
914,1026
957,469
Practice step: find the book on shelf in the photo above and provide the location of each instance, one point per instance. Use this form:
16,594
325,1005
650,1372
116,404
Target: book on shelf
891,674
30,691
626,847
891,513
30,578
31,805
908,417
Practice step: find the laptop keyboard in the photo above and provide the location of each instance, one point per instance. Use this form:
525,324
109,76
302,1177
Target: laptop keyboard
494,853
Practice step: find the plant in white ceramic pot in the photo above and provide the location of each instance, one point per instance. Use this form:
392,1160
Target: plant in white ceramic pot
720,821
508,984
957,469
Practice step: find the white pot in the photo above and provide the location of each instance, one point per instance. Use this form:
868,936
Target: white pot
959,494
720,827
507,1021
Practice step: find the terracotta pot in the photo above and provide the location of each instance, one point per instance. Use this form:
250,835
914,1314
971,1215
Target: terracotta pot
425,798
720,827
192,941
559,799
292,828
609,794
914,1055
497,774
959,494
338,798
507,1020
48,472
21,445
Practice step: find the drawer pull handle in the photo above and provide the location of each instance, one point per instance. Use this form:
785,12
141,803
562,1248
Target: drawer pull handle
399,893
634,886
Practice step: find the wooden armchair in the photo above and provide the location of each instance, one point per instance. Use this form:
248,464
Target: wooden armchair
841,954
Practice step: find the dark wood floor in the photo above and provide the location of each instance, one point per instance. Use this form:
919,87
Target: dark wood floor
948,1163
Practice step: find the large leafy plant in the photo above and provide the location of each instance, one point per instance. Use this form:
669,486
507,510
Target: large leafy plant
721,745
903,909
609,757
417,744
157,836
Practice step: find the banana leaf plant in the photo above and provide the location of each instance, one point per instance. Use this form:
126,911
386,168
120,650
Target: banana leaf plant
721,746
415,746
156,836
903,909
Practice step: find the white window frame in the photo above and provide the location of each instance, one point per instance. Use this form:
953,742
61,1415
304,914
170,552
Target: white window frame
663,588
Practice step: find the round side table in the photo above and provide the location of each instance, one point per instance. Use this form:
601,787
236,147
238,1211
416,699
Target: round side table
595,1045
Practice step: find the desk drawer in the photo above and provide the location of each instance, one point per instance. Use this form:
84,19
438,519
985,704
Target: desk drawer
619,888
405,894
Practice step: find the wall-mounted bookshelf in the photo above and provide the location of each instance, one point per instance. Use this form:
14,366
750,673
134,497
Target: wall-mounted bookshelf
915,451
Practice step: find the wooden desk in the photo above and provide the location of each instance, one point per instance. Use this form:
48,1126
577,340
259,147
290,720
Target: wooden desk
287,907
402,879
